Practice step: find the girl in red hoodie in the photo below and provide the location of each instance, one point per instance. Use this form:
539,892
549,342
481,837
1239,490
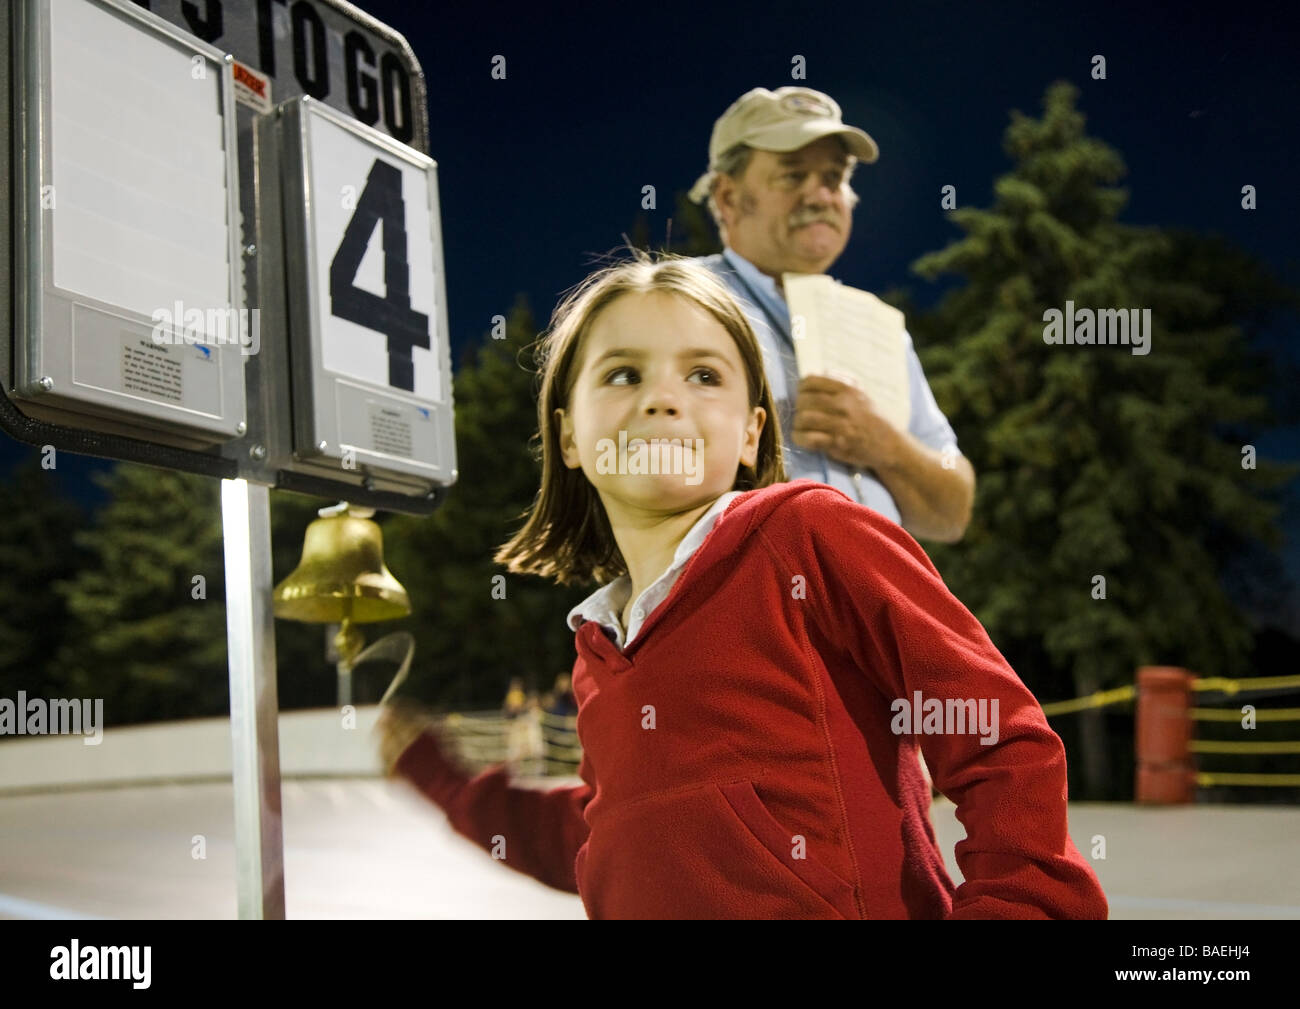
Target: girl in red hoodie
760,665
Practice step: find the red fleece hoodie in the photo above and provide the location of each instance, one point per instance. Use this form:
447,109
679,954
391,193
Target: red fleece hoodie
745,756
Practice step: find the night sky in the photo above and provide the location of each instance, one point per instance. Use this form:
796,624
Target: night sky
542,171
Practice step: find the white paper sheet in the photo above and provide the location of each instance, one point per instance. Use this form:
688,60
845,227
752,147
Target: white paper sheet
850,335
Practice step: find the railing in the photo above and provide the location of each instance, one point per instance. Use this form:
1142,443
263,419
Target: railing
533,743
539,744
1166,765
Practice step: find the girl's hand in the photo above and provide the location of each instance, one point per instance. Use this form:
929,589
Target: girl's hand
400,724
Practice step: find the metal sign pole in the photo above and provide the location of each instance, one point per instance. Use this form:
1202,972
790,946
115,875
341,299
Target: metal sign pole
254,707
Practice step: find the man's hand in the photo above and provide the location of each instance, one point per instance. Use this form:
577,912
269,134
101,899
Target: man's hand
841,421
400,724
934,491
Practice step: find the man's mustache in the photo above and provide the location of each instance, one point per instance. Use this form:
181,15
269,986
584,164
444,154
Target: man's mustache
799,220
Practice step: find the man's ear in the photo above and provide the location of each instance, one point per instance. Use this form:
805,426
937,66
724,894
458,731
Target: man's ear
724,195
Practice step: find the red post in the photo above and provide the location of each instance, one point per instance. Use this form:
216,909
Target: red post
1165,774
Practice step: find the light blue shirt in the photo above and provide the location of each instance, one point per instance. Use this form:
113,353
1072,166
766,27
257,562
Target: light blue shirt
606,603
768,313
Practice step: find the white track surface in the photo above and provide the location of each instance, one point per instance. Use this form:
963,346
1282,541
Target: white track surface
107,831
368,848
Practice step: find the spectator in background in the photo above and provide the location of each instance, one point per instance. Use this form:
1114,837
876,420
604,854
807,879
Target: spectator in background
516,700
777,186
560,700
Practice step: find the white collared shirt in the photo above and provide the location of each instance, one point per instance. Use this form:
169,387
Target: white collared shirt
607,603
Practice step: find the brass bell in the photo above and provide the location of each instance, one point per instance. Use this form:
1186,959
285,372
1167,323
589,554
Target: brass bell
342,578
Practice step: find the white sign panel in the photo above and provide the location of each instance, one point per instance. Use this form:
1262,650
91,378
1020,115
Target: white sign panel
138,222
368,318
130,306
378,306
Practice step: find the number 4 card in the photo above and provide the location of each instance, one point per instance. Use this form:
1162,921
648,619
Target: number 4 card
368,320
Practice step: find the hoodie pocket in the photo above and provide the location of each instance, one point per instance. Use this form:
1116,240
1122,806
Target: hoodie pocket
705,851
748,808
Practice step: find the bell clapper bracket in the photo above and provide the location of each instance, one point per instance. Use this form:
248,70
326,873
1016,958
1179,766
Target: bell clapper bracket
348,643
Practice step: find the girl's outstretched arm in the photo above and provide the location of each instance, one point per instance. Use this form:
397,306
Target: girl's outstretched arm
994,754
534,832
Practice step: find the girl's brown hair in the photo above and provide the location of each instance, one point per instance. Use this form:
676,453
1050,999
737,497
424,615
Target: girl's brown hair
567,534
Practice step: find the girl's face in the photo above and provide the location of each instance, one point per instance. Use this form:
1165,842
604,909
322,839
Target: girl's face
657,366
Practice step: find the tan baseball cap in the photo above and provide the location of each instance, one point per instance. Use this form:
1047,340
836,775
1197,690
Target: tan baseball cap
781,120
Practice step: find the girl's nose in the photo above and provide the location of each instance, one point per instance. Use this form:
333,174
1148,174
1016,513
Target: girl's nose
659,396
658,405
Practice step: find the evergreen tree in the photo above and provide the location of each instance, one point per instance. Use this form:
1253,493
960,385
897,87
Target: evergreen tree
139,631
37,549
1093,462
144,634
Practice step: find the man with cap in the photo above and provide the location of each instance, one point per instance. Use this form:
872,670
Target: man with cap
778,189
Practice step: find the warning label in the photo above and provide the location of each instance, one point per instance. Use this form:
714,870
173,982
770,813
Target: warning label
151,370
251,88
390,431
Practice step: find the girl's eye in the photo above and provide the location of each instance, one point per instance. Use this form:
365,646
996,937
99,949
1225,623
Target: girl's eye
632,371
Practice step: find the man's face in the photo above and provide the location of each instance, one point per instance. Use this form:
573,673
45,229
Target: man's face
789,212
